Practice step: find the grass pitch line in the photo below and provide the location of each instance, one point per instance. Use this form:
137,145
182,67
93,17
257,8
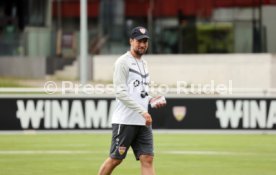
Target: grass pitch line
204,153
24,152
64,152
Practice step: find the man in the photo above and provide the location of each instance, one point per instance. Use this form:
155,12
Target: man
131,122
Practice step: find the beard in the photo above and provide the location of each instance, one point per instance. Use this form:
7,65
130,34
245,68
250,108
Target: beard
140,52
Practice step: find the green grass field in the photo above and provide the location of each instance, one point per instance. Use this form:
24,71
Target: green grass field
175,154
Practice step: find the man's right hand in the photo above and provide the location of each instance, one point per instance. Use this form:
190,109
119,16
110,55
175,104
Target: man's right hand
148,118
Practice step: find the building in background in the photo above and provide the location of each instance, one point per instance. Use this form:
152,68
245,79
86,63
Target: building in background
51,27
25,27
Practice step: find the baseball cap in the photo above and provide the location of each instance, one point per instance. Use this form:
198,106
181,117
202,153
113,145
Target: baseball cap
139,33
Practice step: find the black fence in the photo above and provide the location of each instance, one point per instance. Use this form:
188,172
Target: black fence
95,113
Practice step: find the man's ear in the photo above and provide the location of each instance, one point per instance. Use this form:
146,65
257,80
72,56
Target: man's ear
130,40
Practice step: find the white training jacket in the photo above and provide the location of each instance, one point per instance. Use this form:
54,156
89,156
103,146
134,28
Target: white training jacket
127,80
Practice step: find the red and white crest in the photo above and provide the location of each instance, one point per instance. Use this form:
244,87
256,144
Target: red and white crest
142,30
122,150
179,112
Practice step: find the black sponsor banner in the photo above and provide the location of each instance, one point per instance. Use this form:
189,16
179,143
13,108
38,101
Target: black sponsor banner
56,113
180,113
216,113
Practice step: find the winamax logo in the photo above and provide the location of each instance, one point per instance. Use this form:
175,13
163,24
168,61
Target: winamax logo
58,114
246,113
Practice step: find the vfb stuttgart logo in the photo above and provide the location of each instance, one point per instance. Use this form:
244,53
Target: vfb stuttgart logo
143,31
122,150
179,112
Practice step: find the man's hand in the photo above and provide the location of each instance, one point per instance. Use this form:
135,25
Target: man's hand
158,102
160,105
148,118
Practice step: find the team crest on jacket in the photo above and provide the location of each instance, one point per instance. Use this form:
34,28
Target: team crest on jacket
122,150
179,112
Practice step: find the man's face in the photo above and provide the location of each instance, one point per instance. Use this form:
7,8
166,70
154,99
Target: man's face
139,46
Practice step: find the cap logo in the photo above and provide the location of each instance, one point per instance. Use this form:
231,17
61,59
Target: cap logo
142,30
